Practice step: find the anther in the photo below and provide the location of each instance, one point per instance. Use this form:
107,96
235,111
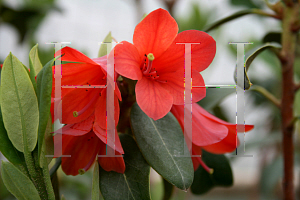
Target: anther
81,171
150,57
75,114
205,167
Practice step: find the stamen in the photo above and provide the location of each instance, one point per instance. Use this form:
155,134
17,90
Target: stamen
81,171
150,57
154,72
209,170
75,114
161,81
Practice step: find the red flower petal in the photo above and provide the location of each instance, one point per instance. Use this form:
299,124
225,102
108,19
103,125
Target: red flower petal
204,130
102,135
100,111
79,100
196,151
83,151
201,54
155,33
127,60
116,164
73,55
227,145
152,98
175,85
78,129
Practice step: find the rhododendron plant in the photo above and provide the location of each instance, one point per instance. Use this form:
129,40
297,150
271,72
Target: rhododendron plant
156,86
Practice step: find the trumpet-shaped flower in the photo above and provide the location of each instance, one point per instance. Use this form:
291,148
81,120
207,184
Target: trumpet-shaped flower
157,60
77,104
84,141
208,132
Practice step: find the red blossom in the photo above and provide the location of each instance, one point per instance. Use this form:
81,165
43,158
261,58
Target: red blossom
84,111
209,132
157,62
84,141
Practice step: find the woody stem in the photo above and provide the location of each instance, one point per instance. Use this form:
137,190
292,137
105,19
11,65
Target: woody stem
287,61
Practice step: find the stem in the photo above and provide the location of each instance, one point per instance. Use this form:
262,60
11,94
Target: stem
47,180
287,61
266,94
263,13
39,184
55,167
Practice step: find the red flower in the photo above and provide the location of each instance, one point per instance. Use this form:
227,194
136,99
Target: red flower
84,141
84,112
157,62
79,103
209,132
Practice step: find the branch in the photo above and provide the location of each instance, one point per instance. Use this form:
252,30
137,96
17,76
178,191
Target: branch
267,94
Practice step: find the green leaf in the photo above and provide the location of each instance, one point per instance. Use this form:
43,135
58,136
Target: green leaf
19,105
44,89
103,47
257,51
96,186
250,58
35,60
229,18
214,96
222,175
159,141
272,37
134,183
7,148
168,189
48,145
17,183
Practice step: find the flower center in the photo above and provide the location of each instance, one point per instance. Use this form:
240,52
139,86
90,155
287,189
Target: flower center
147,69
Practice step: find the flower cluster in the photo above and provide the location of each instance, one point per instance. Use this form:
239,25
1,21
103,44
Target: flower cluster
156,61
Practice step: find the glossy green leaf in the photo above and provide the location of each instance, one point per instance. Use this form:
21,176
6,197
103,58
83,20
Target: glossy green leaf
17,183
249,60
103,47
161,142
222,175
95,185
44,89
168,190
272,37
19,105
35,60
134,183
7,148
